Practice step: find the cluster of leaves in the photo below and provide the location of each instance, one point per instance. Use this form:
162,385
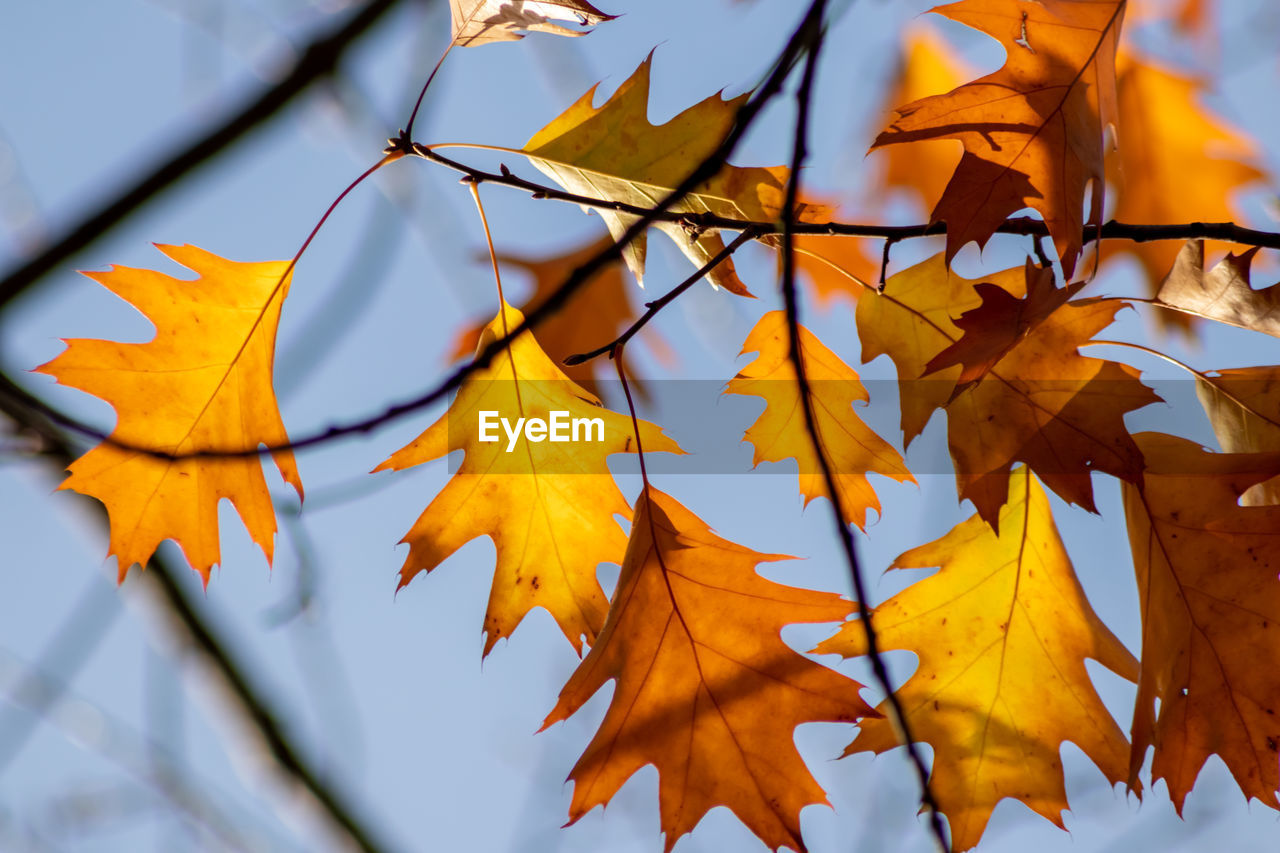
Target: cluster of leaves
705,688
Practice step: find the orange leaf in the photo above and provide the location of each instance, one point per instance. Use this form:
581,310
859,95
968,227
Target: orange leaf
706,689
1176,163
548,506
1032,131
911,322
1206,571
202,383
852,448
477,22
1044,404
1002,632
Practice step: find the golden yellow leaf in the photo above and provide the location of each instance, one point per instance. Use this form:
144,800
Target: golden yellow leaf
202,383
1001,632
548,506
1210,597
1033,130
852,448
706,689
613,153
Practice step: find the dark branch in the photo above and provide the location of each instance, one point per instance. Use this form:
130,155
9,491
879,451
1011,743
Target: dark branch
790,296
317,60
200,637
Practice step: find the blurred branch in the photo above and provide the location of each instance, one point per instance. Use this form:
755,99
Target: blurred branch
319,58
228,675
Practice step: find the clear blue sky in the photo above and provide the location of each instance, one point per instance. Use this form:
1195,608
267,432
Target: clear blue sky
388,693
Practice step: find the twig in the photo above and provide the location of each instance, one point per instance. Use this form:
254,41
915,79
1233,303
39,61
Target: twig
791,298
317,60
658,304
200,638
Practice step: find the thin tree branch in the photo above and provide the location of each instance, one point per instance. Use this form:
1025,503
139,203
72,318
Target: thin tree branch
319,58
198,636
790,296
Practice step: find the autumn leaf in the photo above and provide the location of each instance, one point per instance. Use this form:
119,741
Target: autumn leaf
1001,632
911,322
477,22
706,689
591,317
993,328
1168,136
1033,130
613,153
928,65
1223,293
203,383
852,448
1044,404
1243,406
548,506
1206,570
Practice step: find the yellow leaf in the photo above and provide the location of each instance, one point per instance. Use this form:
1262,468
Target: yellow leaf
548,506
706,689
613,153
1001,632
202,383
851,447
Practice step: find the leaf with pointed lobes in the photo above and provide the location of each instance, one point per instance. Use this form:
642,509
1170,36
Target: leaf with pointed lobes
706,689
911,322
592,316
203,383
477,22
1032,131
1001,632
851,447
1044,404
548,506
929,65
1223,293
1243,406
1168,137
996,326
613,153
1206,570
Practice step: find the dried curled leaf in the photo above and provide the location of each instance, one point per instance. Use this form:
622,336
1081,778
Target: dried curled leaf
477,22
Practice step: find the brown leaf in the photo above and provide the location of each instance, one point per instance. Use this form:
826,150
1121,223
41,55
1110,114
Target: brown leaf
477,22
1223,293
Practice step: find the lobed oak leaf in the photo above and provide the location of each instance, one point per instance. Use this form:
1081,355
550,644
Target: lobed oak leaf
1033,130
1223,293
1044,404
1001,631
548,508
1206,570
852,448
1167,138
911,322
203,383
706,689
1243,406
595,313
613,153
477,22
